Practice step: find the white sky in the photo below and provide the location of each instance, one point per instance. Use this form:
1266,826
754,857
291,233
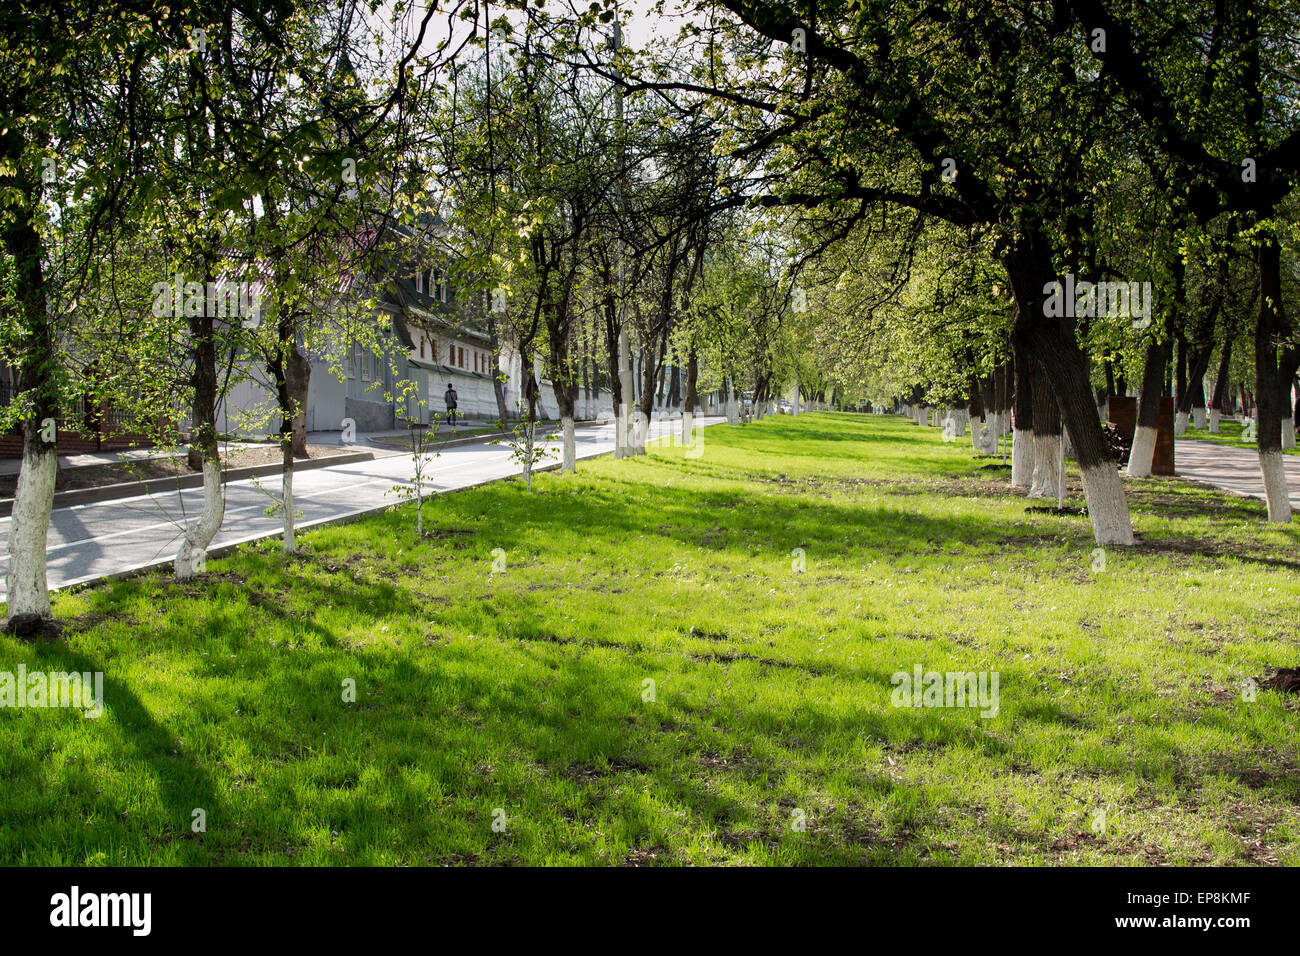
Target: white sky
642,25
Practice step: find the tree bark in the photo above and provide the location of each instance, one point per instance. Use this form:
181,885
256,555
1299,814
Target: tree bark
1274,369
1022,438
1047,438
28,598
203,452
1148,412
298,377
1052,342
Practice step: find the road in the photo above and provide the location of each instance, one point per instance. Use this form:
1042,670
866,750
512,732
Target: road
1230,468
91,541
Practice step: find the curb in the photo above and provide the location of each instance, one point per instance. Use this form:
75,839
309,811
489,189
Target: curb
492,436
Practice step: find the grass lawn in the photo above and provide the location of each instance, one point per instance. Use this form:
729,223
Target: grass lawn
525,690
1229,434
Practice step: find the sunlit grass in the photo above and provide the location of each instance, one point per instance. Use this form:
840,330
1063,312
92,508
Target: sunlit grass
1229,433
525,690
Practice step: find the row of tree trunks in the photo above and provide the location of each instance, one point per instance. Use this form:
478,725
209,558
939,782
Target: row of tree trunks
1052,343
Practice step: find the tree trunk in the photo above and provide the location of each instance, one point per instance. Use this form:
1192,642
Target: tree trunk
203,452
691,401
1273,374
1148,413
28,597
1047,477
1221,380
1022,438
278,368
531,391
1289,420
298,377
565,393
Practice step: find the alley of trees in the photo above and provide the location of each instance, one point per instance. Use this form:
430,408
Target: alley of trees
935,204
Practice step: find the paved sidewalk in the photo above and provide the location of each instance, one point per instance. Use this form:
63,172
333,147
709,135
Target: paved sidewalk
11,466
1230,468
91,541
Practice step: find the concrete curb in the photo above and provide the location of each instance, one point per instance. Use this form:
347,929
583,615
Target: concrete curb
492,436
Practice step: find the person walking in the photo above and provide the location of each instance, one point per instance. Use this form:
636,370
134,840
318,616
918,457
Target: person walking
450,398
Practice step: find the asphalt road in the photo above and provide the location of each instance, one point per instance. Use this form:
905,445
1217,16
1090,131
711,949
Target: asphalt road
1230,468
91,541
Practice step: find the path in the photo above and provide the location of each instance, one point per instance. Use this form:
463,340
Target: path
1232,469
92,541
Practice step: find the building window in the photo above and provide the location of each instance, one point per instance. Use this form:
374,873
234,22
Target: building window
365,365
439,286
419,281
462,358
421,346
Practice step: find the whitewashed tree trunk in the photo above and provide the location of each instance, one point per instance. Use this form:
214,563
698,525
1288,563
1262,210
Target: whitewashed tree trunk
1198,416
1022,458
1288,432
1046,482
642,431
290,529
194,545
688,428
530,438
1107,507
28,592
620,432
1143,452
570,459
1276,493
988,444
1180,423
1215,417
975,425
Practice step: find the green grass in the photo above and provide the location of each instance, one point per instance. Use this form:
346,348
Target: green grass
523,690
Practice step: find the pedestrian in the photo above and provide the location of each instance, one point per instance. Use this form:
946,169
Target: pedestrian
450,398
